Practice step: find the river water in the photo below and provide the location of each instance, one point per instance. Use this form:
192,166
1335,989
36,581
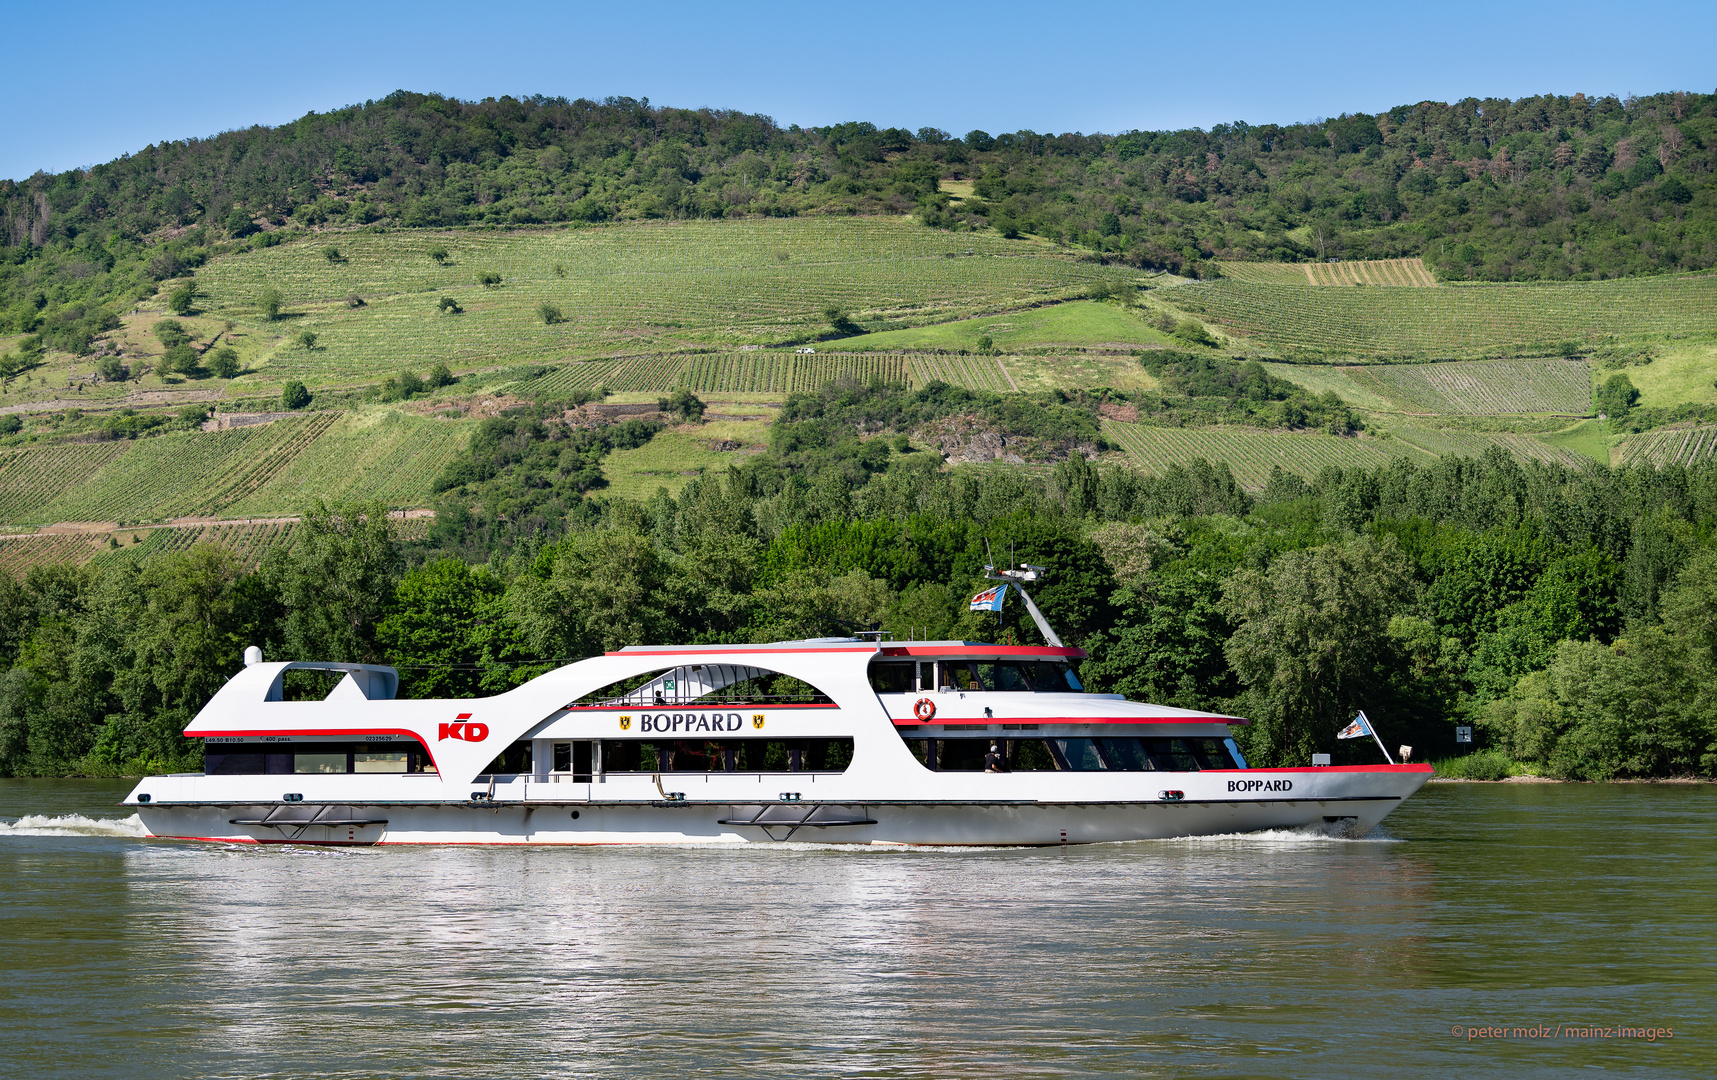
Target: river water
1510,906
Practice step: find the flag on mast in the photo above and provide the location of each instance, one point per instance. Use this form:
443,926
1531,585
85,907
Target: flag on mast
1359,729
990,599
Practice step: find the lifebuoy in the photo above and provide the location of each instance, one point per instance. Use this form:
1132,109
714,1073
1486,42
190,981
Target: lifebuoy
924,709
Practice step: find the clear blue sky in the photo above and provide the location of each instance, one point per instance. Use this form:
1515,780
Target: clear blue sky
84,83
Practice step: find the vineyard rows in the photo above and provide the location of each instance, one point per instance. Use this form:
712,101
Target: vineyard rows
250,541
1475,443
716,373
1465,321
971,372
36,476
1396,272
1249,453
184,473
394,457
18,555
1668,446
653,287
1482,387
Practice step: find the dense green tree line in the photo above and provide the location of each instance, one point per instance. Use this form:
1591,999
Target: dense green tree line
1570,615
1538,188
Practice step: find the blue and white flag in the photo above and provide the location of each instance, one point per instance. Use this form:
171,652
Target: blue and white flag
1359,729
990,599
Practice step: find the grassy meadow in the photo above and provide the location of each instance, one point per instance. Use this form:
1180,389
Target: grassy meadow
658,288
1080,325
1458,322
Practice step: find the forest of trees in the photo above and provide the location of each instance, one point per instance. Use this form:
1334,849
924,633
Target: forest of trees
1570,614
1538,188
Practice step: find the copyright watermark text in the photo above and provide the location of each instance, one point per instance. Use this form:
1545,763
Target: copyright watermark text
1580,1032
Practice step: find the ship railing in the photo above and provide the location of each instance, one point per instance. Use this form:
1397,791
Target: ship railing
705,701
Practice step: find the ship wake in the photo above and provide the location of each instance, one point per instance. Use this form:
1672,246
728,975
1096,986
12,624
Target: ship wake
73,825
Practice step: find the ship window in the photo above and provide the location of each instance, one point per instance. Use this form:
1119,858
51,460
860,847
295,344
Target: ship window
961,675
219,764
238,759
514,759
373,761
319,763
1051,676
732,755
1125,754
1211,753
1171,755
1074,755
893,678
967,755
1077,755
961,755
1003,675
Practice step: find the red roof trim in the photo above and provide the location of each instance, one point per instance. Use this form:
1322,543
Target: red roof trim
983,650
1403,768
652,707
966,721
740,651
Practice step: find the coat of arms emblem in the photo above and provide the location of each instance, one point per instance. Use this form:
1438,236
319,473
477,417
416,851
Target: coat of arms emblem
625,723
756,720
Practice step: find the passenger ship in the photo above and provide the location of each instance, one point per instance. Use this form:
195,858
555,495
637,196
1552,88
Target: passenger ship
833,740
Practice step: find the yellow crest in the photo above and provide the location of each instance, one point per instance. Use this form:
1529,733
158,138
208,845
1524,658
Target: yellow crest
625,723
756,720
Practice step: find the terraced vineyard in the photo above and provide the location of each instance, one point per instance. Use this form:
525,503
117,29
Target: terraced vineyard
1250,453
657,286
1398,272
971,372
390,456
184,473
1482,387
1464,321
1475,443
19,554
721,373
32,477
1668,446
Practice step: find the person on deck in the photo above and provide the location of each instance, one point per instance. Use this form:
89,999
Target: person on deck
995,760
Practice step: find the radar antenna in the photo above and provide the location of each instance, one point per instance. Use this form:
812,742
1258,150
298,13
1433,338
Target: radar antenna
1016,577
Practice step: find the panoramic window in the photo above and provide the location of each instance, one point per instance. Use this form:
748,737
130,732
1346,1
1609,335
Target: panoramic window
702,686
238,759
729,755
1073,755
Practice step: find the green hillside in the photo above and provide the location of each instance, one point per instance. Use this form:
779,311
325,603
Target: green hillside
746,313
1469,321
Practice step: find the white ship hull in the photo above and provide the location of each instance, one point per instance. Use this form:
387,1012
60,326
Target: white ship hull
1370,797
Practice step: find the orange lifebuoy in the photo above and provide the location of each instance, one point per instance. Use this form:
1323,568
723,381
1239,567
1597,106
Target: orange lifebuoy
924,709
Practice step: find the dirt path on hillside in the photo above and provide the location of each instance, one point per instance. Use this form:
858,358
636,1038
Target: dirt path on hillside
97,528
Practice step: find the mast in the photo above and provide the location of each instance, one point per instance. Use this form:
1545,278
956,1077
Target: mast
1016,577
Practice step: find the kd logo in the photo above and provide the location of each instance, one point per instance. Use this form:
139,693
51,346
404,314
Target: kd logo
625,723
756,720
464,732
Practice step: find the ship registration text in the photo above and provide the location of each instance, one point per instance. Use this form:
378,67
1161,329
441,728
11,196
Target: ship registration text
1260,785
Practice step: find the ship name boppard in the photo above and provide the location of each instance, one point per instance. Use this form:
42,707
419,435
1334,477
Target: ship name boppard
688,722
1260,785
